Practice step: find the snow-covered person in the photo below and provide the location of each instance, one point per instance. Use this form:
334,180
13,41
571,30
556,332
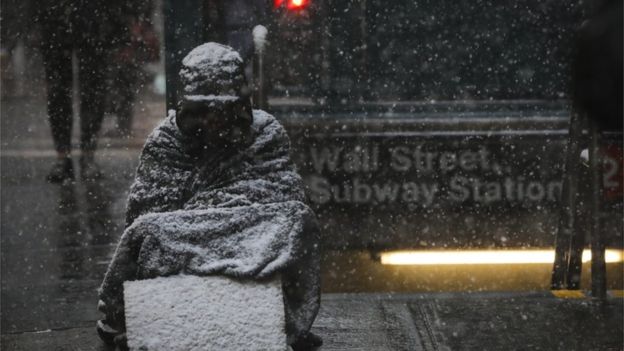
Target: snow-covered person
216,193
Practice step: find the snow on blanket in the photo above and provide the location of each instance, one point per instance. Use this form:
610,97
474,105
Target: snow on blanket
176,313
238,213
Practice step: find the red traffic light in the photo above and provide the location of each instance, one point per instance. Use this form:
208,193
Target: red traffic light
291,4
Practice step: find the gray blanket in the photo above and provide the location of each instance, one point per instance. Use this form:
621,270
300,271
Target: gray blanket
238,212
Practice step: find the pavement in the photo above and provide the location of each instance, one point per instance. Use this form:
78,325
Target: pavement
457,321
57,240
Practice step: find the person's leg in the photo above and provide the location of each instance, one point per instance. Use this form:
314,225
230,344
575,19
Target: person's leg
91,75
127,85
57,58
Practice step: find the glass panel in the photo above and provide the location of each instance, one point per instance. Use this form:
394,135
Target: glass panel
425,50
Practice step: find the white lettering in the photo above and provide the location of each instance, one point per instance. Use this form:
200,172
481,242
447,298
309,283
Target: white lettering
398,160
468,160
492,192
509,189
484,158
458,192
361,192
609,178
319,189
554,190
325,158
447,161
387,192
429,192
410,192
535,191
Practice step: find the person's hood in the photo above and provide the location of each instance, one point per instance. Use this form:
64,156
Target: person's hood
213,77
213,69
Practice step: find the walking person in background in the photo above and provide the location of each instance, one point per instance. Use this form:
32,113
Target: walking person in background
138,45
86,29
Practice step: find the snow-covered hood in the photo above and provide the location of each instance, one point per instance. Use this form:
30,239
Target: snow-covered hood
212,69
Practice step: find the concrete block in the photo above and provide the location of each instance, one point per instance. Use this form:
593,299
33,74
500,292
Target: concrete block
189,313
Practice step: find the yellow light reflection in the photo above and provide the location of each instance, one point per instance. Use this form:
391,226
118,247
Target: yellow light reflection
450,257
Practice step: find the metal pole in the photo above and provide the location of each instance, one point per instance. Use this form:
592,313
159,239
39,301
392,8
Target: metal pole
260,41
598,266
261,97
569,196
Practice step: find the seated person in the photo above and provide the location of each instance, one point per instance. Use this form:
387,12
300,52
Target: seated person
216,193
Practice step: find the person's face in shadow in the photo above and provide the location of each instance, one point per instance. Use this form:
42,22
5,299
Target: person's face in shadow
213,123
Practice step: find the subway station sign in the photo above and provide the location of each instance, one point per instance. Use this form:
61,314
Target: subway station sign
406,183
413,172
439,168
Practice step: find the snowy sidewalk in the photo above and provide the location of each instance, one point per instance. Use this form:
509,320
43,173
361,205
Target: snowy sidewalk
446,321
57,242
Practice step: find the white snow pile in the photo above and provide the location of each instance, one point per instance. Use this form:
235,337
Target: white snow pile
212,67
237,212
191,313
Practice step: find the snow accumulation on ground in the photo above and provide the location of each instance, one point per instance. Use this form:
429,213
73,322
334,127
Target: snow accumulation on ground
191,313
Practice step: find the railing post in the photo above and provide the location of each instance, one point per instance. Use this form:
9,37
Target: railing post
259,85
598,265
569,195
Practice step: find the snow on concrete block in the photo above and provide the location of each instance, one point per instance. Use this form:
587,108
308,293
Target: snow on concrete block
190,313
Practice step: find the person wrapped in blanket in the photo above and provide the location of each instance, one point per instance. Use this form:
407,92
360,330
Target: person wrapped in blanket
216,193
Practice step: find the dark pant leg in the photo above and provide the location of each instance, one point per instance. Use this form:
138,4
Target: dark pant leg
91,76
127,85
57,58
